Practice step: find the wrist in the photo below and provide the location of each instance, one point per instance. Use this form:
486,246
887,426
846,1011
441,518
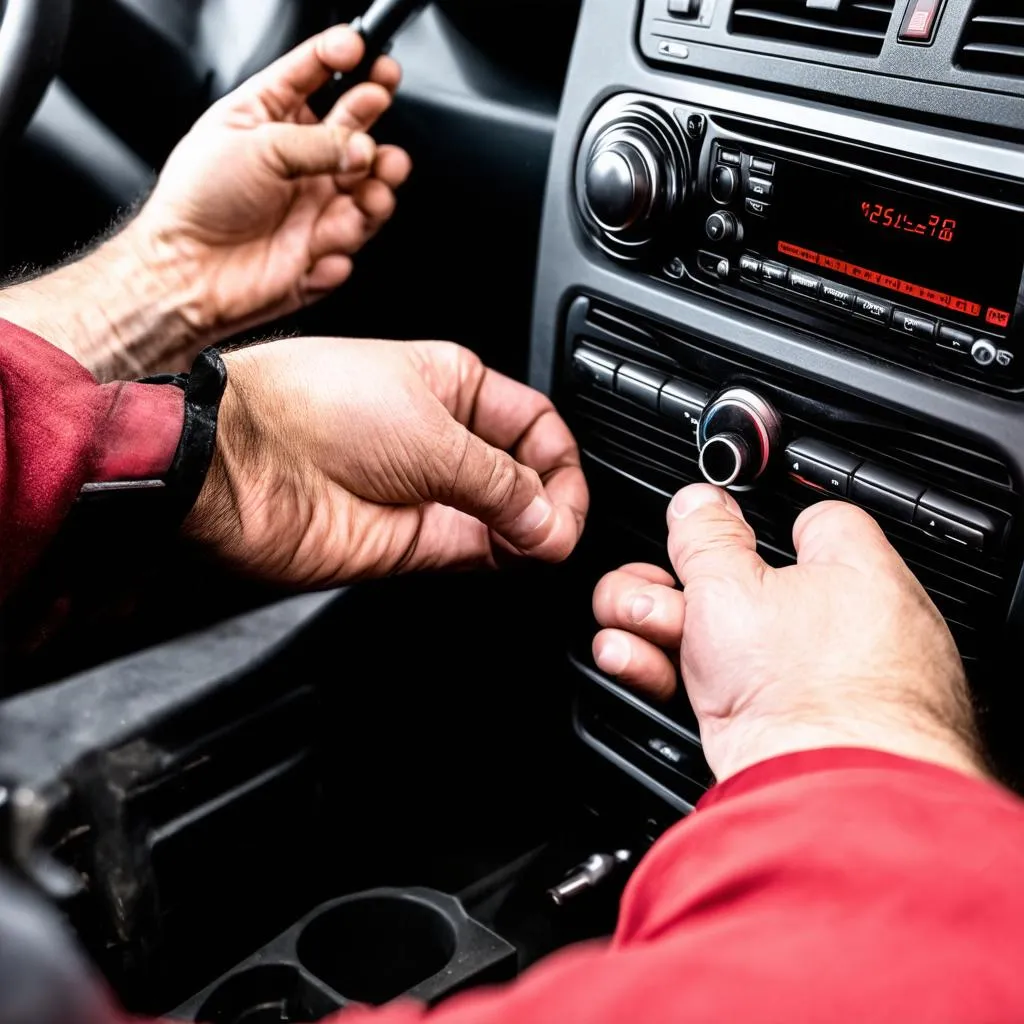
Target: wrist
738,743
121,310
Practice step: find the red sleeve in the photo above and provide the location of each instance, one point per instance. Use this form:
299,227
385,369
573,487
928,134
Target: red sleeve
60,430
830,885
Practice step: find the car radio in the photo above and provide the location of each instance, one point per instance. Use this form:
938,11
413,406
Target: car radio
919,261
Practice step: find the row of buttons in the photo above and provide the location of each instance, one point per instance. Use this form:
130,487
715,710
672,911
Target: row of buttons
810,462
951,339
725,180
881,490
681,402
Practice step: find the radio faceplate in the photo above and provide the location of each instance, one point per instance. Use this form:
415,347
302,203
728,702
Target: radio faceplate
883,251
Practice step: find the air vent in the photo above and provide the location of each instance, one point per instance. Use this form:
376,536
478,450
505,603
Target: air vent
846,26
993,40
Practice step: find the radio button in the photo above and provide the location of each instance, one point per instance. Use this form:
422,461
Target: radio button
594,368
750,266
871,308
983,352
954,340
946,517
1004,357
683,404
758,207
724,182
881,490
728,156
805,284
837,295
821,466
760,188
921,327
759,165
639,384
774,273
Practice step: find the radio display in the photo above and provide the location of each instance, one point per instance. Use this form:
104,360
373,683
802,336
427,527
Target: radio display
961,258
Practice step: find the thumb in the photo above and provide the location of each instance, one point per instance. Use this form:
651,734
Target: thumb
300,150
835,533
508,497
708,536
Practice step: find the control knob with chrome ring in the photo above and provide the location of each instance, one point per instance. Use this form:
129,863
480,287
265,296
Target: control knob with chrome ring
737,433
722,226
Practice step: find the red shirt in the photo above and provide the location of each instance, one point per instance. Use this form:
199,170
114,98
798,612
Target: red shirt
59,429
832,885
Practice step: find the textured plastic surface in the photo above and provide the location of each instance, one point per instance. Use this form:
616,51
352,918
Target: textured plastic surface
370,947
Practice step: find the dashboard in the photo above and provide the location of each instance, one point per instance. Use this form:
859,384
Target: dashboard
781,251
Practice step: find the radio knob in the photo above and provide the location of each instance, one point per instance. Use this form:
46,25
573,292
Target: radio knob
724,183
631,178
620,184
737,433
721,227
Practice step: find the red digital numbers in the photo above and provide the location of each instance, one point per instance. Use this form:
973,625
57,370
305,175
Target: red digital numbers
942,228
997,317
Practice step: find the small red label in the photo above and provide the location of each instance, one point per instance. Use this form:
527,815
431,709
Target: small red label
997,317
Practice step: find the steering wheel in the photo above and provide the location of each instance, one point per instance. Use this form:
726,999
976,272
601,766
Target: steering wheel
32,36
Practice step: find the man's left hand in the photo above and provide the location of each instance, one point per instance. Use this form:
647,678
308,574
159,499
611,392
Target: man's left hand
261,206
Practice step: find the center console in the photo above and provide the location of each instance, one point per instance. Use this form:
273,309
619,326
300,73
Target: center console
799,279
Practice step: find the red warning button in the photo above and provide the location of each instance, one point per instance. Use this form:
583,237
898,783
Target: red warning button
919,21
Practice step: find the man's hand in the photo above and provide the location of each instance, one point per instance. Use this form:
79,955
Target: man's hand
843,649
259,210
345,460
262,204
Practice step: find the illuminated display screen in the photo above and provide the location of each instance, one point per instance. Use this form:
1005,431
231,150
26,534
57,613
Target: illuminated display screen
960,258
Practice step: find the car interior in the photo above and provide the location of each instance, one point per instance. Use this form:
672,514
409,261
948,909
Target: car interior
766,243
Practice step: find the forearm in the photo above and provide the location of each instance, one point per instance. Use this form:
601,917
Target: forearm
122,311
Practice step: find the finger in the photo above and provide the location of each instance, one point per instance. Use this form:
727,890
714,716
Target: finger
289,81
649,573
652,611
328,273
376,201
387,71
505,495
360,108
344,228
635,663
297,150
708,536
836,533
393,166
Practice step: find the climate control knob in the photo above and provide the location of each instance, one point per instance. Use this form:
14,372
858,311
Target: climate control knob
737,434
631,178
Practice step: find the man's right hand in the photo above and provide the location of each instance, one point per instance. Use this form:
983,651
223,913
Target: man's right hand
340,460
843,649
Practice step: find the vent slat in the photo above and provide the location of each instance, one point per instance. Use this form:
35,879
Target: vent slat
859,26
993,40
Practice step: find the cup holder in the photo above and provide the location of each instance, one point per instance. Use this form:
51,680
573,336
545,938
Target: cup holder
368,948
274,994
373,948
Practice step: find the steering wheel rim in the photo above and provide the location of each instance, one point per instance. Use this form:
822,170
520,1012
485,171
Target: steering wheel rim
32,37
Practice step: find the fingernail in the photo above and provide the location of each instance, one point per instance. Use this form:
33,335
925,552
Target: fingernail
641,606
696,496
358,153
534,516
613,657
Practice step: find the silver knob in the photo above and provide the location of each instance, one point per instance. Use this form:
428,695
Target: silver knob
737,433
983,352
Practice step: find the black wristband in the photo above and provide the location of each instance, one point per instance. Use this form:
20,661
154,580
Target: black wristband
204,388
164,504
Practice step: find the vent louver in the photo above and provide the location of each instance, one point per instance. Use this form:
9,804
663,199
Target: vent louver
993,39
848,26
